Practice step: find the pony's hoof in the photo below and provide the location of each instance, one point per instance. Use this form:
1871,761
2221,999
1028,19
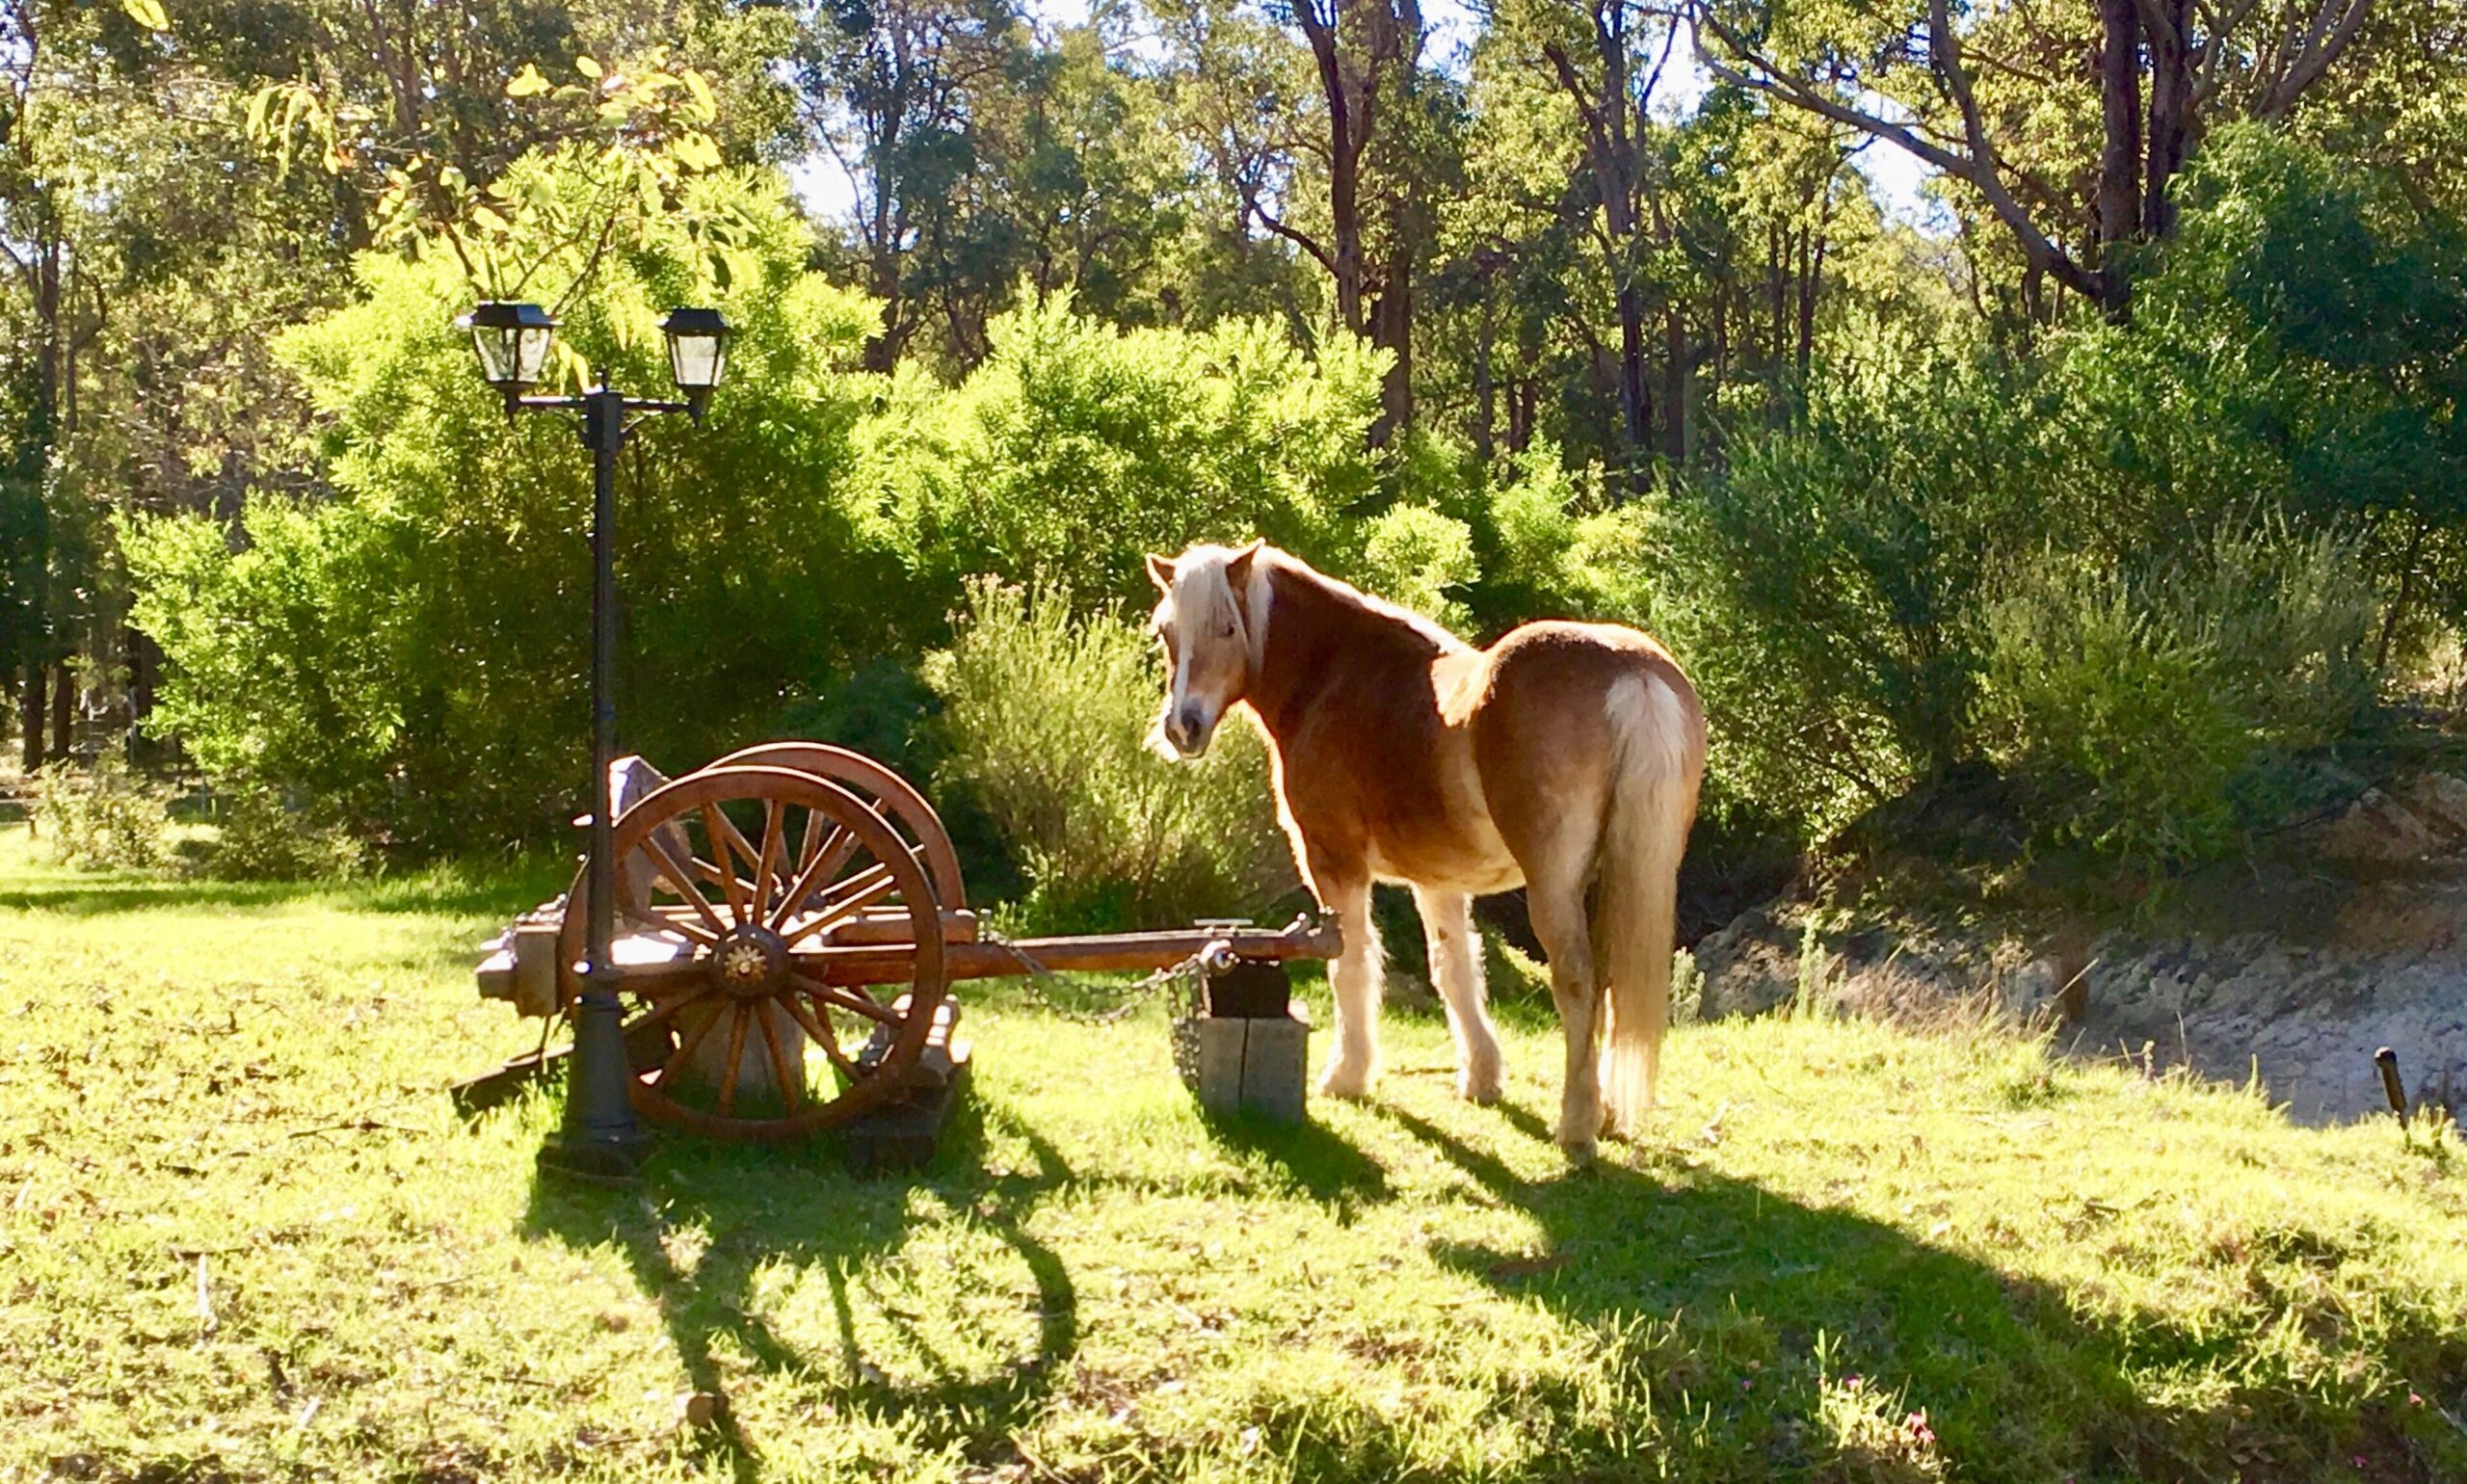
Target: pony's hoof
1344,1081
1579,1151
1479,1088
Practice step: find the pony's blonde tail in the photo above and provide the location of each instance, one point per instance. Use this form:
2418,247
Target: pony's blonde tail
1653,803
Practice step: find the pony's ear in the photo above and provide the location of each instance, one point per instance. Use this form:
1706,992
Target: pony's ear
1238,567
1161,572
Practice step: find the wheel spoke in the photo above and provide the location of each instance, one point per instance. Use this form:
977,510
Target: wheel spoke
823,861
857,893
716,826
657,921
736,1055
816,1033
775,833
792,1089
683,880
686,1048
845,999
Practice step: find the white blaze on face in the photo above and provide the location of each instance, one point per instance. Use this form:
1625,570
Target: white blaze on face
1207,646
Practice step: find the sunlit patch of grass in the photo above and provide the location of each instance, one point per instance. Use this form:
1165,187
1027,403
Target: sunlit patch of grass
242,1234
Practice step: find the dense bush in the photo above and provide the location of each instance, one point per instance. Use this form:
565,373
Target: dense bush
259,838
2143,708
2051,559
411,651
1077,447
1047,716
102,818
1826,591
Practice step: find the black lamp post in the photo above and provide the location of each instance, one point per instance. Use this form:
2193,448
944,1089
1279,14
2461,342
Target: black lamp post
600,1138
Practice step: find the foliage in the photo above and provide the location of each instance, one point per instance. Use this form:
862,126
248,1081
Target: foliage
258,837
1767,1285
103,817
2144,707
404,654
1549,542
1412,556
2138,567
1076,447
1045,716
1827,588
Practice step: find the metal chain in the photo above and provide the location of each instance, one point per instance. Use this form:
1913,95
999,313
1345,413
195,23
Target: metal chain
1127,998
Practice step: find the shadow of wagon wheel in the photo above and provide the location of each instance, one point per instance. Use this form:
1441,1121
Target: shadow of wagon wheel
716,1233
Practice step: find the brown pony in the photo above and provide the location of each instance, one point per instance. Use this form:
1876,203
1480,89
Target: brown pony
1565,756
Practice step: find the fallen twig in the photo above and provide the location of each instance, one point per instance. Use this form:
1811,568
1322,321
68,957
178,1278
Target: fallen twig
362,1126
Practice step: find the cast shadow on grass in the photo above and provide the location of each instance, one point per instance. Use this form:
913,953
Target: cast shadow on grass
1723,1293
1307,1158
491,891
761,1207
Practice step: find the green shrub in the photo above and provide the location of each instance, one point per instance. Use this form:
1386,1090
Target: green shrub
409,649
2143,709
1413,555
260,839
102,818
1046,718
1075,447
1825,590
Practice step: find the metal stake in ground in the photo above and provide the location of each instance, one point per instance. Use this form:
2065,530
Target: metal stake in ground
600,1139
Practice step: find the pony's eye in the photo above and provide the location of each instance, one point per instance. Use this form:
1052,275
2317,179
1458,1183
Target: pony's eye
1226,632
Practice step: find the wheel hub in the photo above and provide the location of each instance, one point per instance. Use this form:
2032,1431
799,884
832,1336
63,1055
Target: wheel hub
751,963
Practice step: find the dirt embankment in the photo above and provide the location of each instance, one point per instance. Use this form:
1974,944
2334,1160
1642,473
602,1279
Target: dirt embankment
2352,936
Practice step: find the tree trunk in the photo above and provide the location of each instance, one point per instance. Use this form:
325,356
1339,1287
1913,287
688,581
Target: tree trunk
37,698
1485,392
145,665
1674,389
64,709
1636,404
1392,329
1811,280
2171,87
2119,199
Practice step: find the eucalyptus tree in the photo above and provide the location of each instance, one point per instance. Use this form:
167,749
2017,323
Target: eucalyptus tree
893,89
1609,57
64,69
2076,162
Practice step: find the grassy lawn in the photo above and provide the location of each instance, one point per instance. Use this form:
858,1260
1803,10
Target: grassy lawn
242,1235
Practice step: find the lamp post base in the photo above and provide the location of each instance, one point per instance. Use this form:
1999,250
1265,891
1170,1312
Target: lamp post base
594,1162
600,1140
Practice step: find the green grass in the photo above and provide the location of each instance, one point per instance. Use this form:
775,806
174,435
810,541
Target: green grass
242,1235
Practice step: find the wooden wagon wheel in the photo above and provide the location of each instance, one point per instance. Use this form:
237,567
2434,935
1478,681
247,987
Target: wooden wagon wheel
893,796
753,885
899,802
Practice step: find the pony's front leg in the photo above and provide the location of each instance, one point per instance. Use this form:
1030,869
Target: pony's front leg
1456,972
1358,977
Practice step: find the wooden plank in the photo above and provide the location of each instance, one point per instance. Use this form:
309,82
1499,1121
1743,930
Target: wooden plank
859,965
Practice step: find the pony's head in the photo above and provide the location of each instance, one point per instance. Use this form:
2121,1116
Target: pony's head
1205,622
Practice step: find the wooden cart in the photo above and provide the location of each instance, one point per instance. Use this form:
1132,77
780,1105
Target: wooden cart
795,901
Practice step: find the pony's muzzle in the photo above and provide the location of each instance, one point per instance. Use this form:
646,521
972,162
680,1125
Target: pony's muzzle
1185,729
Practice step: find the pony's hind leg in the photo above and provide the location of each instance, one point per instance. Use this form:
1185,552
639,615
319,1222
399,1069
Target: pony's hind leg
1557,908
1456,970
1357,979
